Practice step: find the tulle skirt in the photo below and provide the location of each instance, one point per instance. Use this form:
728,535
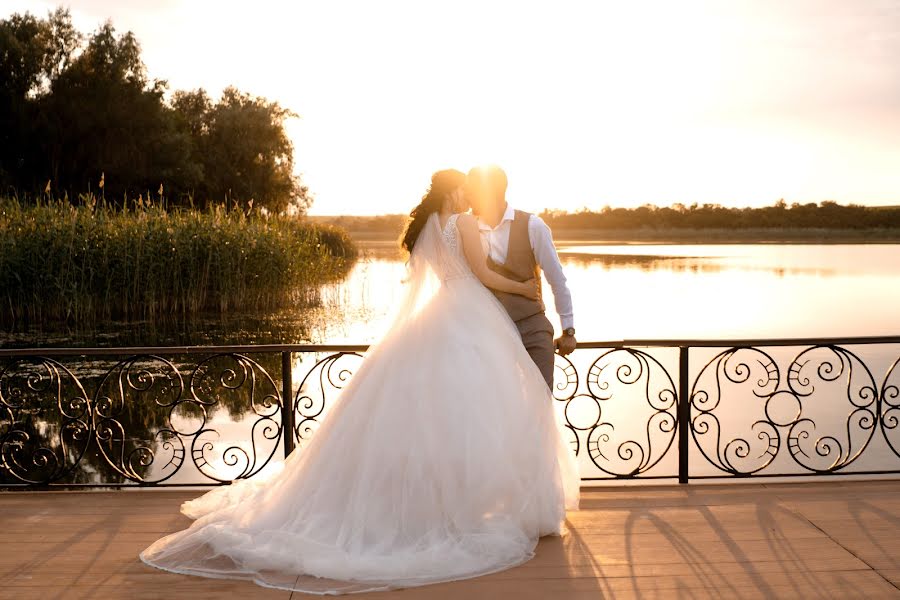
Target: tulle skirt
443,459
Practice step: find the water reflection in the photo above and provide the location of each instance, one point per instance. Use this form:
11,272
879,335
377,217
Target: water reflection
680,291
619,291
624,291
693,264
140,419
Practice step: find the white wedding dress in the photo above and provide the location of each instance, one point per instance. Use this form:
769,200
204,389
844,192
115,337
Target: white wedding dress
443,459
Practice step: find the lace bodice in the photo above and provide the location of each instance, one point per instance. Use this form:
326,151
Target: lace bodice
450,235
456,266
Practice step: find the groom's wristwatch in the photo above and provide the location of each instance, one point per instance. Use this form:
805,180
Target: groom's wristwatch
569,331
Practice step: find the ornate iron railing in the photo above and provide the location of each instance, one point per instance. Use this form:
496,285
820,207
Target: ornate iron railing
633,409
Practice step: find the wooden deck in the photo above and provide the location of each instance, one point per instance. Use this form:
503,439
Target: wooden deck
809,540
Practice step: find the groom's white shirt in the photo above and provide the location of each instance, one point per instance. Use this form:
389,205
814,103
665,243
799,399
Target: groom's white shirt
495,242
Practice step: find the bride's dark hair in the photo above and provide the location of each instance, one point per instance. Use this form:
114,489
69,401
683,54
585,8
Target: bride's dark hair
442,183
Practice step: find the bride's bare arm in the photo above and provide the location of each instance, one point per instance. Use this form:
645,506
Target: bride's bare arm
468,231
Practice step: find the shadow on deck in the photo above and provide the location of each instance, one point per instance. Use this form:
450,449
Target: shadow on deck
807,540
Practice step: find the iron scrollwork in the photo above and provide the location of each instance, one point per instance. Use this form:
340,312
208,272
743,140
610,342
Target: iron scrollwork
730,371
627,367
45,421
127,395
889,415
565,387
244,388
148,393
816,370
624,387
214,418
794,409
324,380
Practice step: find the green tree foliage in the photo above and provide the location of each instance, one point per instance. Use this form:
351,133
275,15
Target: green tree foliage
32,53
240,146
102,115
75,109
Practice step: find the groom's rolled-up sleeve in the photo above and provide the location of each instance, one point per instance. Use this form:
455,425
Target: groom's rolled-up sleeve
548,260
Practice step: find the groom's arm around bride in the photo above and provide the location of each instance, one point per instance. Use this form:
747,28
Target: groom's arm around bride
519,245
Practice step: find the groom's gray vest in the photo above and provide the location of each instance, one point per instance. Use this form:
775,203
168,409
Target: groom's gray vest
520,265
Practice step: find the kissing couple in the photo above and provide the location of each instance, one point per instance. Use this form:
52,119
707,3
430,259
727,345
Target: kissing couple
443,457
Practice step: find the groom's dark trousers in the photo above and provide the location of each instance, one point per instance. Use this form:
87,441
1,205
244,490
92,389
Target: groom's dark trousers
527,314
537,335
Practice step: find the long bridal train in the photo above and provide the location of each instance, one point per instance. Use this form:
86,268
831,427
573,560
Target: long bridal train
442,460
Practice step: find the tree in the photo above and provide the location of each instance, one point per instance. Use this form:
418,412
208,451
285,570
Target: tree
32,53
104,116
247,154
73,108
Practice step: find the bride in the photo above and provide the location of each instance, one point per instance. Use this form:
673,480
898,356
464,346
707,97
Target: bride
441,460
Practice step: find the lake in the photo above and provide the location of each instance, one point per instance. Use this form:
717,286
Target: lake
653,291
620,291
706,291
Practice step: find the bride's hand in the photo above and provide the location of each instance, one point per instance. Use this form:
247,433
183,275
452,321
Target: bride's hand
530,289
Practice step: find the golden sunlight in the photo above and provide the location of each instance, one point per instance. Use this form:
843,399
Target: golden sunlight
583,103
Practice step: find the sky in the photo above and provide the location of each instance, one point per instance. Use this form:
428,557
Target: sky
583,103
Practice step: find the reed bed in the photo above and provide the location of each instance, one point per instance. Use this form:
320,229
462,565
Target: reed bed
83,262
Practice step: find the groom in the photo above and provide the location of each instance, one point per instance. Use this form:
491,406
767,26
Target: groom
518,246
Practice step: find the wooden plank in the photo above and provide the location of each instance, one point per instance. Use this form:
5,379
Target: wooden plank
771,540
892,575
202,589
835,584
803,551
616,550
66,573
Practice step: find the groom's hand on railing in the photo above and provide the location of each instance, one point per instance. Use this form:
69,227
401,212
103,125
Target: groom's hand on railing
565,344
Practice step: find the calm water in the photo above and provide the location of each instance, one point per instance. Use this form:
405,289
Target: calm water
653,291
628,291
676,291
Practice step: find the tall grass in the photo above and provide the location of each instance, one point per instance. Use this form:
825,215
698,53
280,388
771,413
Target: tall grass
80,263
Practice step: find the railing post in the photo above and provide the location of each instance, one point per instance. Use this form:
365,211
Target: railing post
287,402
684,414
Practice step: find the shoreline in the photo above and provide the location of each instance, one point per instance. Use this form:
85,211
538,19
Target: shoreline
599,237
729,236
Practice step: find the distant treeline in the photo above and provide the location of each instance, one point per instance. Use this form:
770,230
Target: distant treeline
825,215
361,227
801,221
79,113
